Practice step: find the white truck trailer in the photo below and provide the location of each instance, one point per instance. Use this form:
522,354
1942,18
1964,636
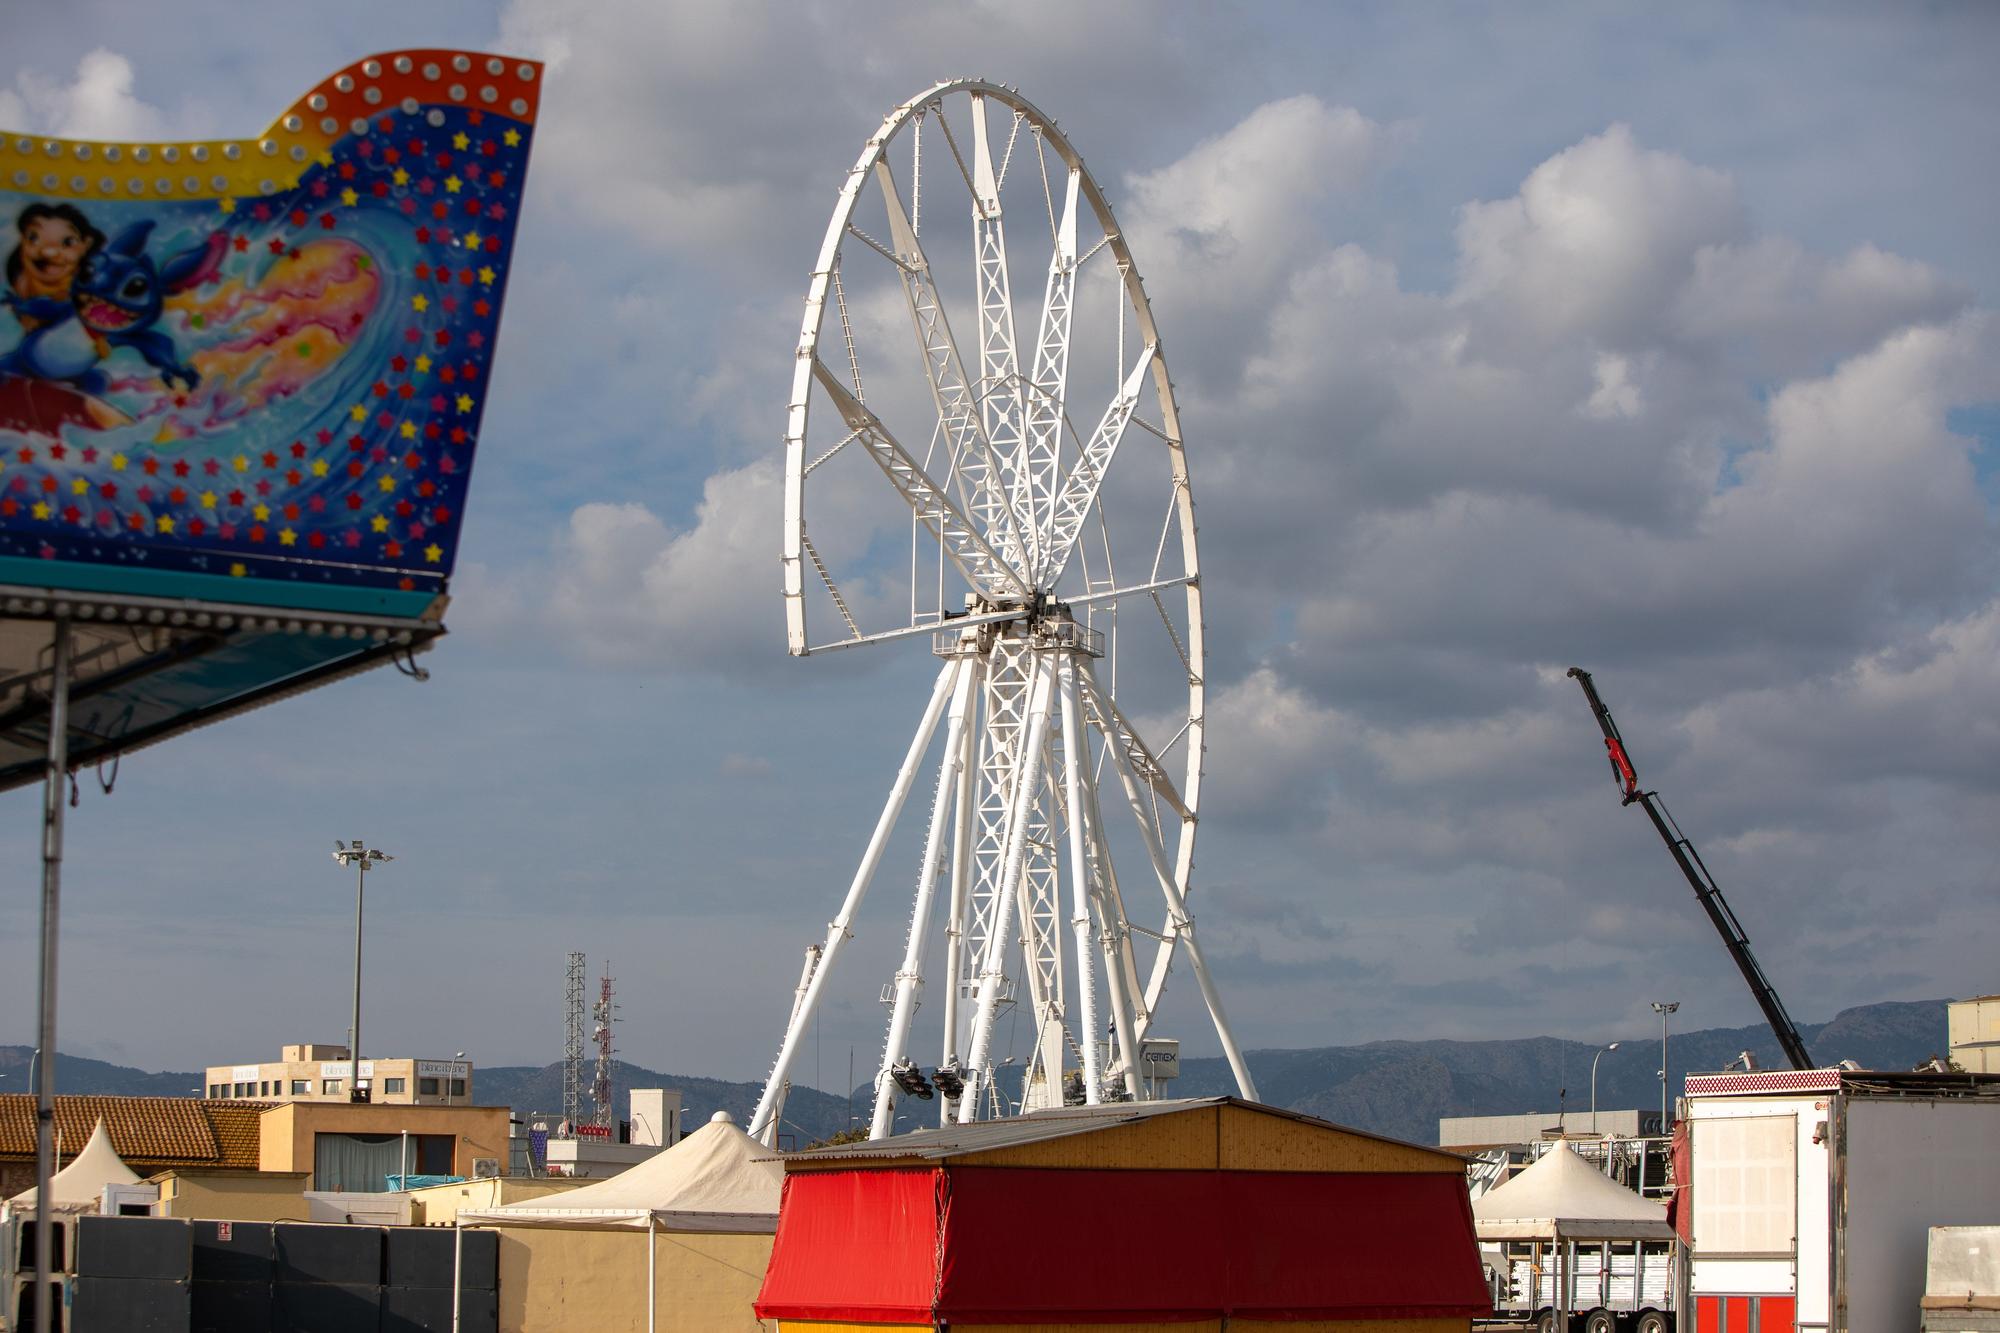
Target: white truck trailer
1814,1192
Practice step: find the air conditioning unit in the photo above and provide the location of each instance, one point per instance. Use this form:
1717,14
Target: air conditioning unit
485,1168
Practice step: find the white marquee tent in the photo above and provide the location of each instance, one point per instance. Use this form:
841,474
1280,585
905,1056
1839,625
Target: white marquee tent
79,1186
716,1179
1564,1197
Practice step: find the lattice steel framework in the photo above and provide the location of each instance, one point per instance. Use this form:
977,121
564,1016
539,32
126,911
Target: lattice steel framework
1023,531
573,1044
602,1015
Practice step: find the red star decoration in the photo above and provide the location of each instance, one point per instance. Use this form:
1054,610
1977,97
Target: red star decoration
270,458
178,495
347,171
298,449
276,246
406,583
350,538
211,466
354,502
108,490
196,527
392,549
180,467
298,217
58,451
325,435
236,497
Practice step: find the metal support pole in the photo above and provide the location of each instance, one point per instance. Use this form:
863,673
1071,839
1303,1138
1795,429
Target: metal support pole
961,895
457,1267
652,1282
354,1051
1177,913
1076,756
763,1125
53,776
910,977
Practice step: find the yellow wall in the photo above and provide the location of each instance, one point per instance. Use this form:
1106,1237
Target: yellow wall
439,1205
286,1131
1253,1141
262,1197
572,1280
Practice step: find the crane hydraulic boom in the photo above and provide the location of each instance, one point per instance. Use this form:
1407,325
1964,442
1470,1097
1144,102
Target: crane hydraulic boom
1698,878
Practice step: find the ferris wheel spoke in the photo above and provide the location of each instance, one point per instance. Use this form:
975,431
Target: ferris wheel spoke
1001,408
977,469
1086,475
1106,717
980,563
1050,381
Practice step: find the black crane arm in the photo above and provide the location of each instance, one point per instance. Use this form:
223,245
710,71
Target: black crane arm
1705,889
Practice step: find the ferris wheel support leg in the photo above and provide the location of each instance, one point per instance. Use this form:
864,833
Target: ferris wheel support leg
992,972
1076,756
763,1125
1177,910
1115,945
961,892
911,976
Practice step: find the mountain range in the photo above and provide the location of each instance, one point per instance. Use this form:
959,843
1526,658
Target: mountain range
1399,1088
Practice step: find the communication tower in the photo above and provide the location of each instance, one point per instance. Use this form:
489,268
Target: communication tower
603,1015
573,1048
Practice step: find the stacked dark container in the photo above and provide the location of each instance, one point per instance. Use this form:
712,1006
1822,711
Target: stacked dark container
131,1275
417,1296
233,1271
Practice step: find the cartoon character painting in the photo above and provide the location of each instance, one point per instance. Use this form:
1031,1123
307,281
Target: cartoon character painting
55,240
114,300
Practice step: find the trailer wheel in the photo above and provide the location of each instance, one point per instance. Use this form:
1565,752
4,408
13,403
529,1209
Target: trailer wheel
1600,1321
1548,1321
1653,1321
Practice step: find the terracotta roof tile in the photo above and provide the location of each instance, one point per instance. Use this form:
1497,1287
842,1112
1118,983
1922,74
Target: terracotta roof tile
150,1131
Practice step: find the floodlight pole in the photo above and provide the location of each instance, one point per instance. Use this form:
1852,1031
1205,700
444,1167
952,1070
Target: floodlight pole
1593,1083
45,1085
362,858
1663,1008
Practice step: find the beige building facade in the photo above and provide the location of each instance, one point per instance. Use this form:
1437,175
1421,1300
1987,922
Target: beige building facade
318,1072
1973,1028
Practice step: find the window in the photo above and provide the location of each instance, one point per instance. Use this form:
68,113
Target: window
264,1088
427,1087
302,1087
329,1087
458,1087
394,1085
242,1089
216,1089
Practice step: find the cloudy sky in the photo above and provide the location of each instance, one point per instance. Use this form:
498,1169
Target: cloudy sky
1658,341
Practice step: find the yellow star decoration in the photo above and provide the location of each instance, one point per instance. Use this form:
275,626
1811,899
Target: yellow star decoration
164,524
240,463
512,138
79,487
319,467
349,197
472,240
400,176
460,142
409,430
227,205
208,499
117,462
237,571
420,303
325,159
260,512
465,402
434,553
451,184
286,537
358,412
387,484
379,523
423,365
41,509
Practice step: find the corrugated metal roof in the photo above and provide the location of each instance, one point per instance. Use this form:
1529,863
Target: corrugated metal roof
153,1131
1041,1126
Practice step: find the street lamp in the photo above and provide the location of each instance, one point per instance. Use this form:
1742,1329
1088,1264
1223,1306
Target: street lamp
451,1076
362,858
1593,1084
1663,1008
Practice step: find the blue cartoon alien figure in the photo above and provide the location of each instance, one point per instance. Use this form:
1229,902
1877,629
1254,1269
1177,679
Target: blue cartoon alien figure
115,301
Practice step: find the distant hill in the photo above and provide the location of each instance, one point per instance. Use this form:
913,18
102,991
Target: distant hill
1401,1088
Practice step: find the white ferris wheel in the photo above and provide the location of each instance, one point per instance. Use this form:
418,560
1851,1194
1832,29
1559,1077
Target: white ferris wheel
1021,508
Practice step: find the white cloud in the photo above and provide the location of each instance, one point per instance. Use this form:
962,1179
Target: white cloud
99,103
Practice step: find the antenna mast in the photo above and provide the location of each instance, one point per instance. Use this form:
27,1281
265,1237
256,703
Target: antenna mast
573,1048
604,1015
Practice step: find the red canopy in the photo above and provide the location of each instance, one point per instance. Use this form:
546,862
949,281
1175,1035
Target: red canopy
973,1245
